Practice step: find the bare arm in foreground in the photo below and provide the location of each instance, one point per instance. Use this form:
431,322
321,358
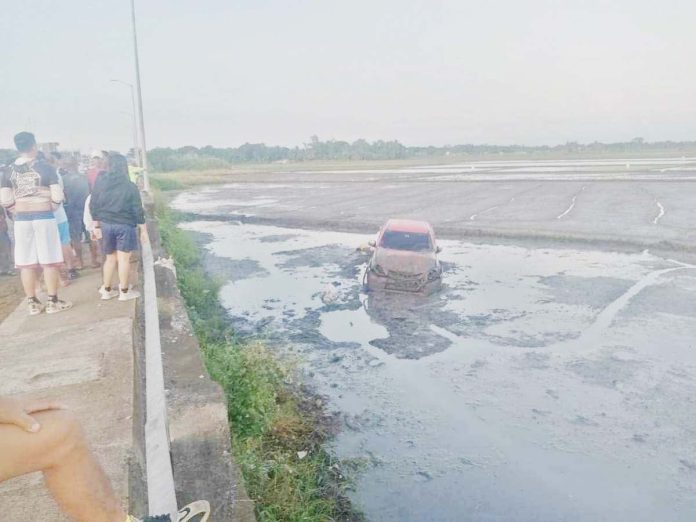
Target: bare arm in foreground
41,436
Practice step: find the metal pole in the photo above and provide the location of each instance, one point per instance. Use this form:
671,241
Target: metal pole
143,147
136,148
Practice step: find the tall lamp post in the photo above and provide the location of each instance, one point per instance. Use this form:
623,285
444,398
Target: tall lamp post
143,147
158,465
136,148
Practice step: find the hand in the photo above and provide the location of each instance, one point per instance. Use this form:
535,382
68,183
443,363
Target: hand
18,412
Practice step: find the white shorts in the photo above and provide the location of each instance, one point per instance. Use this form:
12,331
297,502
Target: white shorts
37,241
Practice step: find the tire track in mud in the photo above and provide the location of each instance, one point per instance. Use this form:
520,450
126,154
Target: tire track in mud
660,214
603,320
660,207
509,201
606,317
474,216
572,203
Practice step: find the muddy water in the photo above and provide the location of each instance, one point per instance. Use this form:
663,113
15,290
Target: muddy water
537,385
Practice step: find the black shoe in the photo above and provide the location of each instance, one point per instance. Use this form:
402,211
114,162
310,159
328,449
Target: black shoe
72,273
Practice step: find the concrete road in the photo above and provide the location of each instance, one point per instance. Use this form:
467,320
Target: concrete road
82,358
632,203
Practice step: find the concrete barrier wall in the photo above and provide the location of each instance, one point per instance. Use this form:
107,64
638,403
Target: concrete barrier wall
198,427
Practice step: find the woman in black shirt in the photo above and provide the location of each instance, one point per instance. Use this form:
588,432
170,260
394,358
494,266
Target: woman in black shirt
118,213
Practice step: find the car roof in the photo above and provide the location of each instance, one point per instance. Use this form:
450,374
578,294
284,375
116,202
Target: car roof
408,225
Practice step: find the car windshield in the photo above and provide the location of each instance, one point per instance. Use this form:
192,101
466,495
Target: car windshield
413,241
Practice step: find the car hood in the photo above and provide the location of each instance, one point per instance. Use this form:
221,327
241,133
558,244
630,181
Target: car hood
405,261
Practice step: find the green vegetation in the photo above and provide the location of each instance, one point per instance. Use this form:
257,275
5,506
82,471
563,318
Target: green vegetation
205,158
276,435
211,158
208,158
165,183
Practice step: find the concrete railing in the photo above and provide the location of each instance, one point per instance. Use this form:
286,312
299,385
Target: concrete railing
186,442
160,477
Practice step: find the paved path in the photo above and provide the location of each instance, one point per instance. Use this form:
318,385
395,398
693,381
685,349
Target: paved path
84,359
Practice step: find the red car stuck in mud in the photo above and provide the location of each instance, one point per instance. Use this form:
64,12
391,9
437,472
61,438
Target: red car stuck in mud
405,258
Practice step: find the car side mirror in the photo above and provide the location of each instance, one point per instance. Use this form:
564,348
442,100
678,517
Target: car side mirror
438,249
372,243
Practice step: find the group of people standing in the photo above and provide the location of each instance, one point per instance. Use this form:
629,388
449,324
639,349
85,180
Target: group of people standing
55,209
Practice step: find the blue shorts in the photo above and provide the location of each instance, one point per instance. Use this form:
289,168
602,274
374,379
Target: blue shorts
64,233
116,236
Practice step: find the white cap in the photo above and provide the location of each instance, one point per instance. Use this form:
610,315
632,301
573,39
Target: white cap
96,154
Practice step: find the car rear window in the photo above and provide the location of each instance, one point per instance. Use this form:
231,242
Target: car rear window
413,241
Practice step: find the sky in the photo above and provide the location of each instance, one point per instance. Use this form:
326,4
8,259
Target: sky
435,72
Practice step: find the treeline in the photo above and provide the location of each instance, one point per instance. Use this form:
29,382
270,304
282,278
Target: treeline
189,157
193,158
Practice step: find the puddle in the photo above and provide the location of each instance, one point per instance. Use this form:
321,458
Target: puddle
346,326
537,385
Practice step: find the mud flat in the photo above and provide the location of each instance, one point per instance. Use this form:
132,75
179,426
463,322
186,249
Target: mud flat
625,203
540,384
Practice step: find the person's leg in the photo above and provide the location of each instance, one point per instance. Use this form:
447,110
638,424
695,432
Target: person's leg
50,254
29,280
67,256
123,269
94,253
72,473
110,262
108,245
126,243
52,280
70,265
64,234
26,259
95,250
66,269
77,248
76,241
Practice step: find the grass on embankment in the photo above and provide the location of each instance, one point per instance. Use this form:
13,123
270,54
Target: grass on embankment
270,422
